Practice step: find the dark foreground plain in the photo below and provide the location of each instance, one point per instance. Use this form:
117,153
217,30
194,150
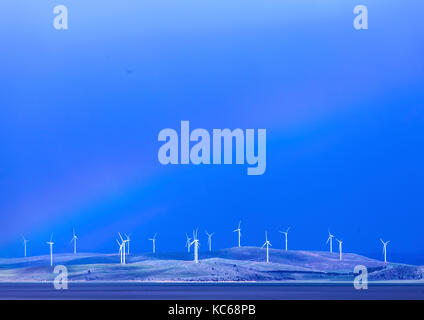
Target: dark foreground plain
160,291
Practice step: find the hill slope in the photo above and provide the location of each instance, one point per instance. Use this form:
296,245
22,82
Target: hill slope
233,264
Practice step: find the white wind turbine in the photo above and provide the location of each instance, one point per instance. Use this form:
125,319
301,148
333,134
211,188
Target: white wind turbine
286,235
51,243
154,242
385,249
196,246
123,244
267,244
239,233
25,245
188,243
128,236
330,239
210,239
74,239
340,248
121,250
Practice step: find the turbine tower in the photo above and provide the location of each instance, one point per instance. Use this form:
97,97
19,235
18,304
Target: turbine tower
128,236
239,233
51,243
210,239
74,239
123,243
154,242
330,239
188,243
121,250
285,234
25,246
340,248
196,246
385,249
267,244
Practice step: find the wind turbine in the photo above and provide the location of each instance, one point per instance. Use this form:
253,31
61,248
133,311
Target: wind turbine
25,246
210,239
340,248
267,244
51,243
188,243
385,249
74,239
128,240
330,239
239,233
121,250
123,242
154,242
285,234
196,246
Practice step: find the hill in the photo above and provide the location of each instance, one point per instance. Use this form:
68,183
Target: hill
233,264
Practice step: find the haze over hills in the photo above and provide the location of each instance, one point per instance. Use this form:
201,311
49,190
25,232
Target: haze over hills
233,264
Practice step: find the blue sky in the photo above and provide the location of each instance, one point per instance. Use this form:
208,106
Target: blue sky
81,110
